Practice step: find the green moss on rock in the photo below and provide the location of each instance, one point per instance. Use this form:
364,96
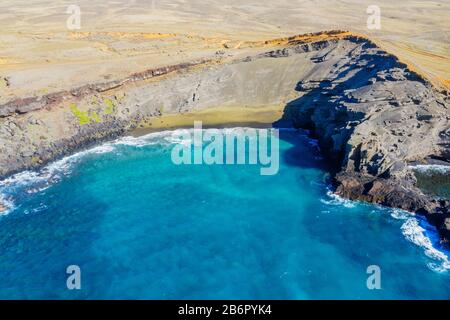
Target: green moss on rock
109,106
82,116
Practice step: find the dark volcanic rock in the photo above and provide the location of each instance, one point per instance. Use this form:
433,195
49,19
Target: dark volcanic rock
373,117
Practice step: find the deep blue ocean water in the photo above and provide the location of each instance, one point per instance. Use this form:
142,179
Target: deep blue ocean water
140,227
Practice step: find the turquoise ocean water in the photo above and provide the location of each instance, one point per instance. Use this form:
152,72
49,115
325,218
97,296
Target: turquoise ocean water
140,227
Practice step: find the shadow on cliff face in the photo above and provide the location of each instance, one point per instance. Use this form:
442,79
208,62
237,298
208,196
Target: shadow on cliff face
327,106
331,107
302,113
304,151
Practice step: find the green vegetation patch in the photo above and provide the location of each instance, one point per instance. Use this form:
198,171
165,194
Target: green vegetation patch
82,116
109,106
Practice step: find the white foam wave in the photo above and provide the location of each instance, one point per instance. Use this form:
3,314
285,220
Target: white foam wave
412,231
105,148
59,168
36,181
399,214
162,137
31,182
176,140
132,141
63,166
335,200
149,139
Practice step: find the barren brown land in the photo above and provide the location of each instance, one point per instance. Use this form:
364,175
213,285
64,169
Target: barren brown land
38,54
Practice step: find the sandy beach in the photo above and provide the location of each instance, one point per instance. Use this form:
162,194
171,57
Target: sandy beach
218,117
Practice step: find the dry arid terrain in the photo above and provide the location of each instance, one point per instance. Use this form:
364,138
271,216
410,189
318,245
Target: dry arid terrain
39,55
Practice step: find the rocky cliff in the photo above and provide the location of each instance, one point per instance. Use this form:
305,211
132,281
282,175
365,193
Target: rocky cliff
375,119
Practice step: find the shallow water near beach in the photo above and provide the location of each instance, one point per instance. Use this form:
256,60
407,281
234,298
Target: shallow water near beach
140,227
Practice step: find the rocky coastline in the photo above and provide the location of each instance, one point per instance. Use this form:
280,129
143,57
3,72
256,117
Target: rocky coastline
373,117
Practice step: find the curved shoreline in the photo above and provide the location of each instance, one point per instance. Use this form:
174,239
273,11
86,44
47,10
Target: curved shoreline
371,114
412,228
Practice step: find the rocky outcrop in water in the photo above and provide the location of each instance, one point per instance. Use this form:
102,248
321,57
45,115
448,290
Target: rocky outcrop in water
373,118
